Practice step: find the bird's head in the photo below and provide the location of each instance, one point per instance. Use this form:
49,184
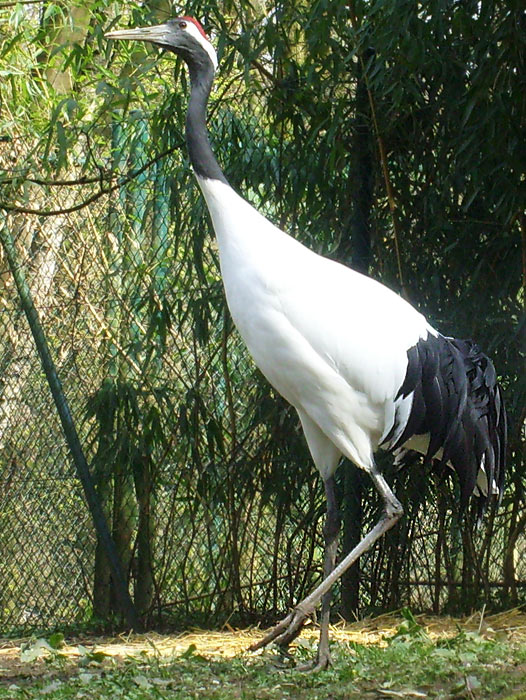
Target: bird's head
183,35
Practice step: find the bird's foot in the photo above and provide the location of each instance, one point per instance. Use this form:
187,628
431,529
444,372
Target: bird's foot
321,662
284,632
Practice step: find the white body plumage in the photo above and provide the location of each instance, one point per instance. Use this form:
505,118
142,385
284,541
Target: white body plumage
333,342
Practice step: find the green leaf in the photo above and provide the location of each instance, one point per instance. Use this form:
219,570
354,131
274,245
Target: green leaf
56,640
189,652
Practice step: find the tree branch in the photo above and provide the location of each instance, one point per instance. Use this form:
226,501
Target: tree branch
103,190
261,68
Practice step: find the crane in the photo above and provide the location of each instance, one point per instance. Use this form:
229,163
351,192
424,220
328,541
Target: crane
361,366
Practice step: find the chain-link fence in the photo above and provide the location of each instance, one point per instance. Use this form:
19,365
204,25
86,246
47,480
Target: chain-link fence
209,492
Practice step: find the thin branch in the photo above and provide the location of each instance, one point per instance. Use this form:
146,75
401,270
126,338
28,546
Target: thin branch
59,183
56,212
261,68
103,191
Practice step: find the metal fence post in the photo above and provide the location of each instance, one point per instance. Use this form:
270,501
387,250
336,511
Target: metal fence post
70,431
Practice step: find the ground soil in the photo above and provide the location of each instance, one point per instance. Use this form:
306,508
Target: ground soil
226,643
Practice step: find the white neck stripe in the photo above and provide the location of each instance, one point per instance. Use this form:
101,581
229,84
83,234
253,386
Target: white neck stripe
207,46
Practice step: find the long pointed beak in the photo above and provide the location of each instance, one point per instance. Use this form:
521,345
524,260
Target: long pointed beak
158,34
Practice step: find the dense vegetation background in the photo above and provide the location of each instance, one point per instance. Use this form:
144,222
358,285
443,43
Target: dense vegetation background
388,134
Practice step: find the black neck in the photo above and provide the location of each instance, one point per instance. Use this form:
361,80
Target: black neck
201,155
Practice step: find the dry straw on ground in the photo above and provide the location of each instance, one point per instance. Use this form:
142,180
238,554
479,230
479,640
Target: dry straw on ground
227,643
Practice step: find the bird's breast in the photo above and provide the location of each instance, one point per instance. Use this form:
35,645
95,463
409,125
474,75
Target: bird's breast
327,338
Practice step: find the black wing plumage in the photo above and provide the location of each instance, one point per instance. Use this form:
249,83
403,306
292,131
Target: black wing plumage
458,403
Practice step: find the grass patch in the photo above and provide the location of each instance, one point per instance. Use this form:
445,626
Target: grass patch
390,657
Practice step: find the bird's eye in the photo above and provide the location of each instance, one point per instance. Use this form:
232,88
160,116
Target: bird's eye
182,24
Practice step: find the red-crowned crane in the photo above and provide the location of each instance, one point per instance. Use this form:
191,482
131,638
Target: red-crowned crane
361,366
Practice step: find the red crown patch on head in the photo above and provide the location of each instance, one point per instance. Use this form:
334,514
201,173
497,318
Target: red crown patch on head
198,25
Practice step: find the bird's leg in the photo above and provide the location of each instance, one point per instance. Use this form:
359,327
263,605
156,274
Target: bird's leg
289,627
331,531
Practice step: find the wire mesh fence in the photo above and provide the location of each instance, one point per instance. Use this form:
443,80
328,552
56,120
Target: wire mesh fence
208,489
